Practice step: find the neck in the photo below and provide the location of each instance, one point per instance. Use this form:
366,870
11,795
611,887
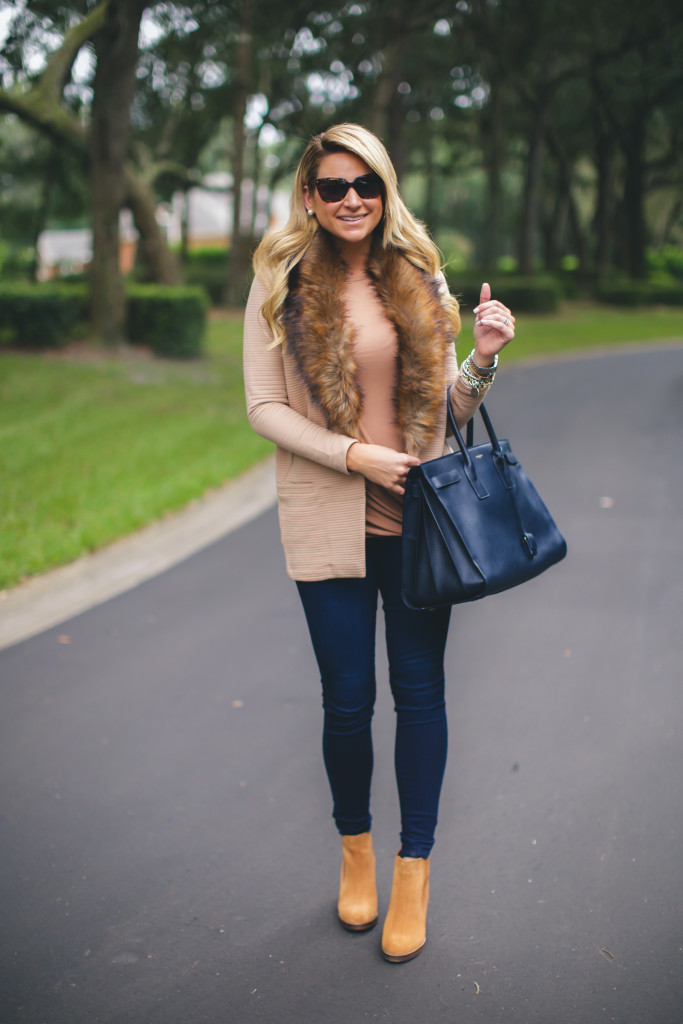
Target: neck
355,255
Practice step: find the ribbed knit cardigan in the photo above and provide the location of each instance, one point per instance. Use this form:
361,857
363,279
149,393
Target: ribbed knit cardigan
321,505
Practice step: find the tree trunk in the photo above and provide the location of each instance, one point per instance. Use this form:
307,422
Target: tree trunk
184,228
116,48
491,141
532,190
161,262
554,233
256,179
429,215
386,119
565,212
670,223
634,197
580,241
238,268
43,210
603,222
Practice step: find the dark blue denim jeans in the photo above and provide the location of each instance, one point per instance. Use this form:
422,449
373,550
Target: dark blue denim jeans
341,616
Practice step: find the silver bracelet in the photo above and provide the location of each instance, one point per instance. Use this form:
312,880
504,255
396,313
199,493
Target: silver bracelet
473,380
483,371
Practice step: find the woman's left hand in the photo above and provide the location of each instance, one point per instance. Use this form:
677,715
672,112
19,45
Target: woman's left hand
494,327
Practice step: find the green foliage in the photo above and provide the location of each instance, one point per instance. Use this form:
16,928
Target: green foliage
207,267
474,78
668,259
629,293
570,283
40,316
208,255
523,295
16,262
211,277
667,294
170,320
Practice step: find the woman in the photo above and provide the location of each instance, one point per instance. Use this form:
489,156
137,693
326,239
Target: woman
348,354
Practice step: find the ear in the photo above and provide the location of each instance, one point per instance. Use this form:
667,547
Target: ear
307,197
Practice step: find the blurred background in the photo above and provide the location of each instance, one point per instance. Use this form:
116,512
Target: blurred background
146,147
532,138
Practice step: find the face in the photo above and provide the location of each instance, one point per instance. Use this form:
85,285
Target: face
352,220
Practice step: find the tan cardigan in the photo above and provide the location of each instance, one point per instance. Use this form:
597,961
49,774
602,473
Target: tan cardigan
321,505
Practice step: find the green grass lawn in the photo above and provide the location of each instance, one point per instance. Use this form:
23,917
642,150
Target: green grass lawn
582,326
93,447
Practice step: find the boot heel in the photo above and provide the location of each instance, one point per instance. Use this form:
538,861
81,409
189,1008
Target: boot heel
357,904
405,928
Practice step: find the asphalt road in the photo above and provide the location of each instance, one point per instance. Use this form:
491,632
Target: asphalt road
167,854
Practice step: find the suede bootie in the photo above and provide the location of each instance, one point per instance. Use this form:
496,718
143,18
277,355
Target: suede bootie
357,906
405,929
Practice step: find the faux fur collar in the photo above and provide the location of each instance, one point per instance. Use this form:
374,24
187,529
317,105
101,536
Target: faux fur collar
320,338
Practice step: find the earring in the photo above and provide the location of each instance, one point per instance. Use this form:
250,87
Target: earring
309,211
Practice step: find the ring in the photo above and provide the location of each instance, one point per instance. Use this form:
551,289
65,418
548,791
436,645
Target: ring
505,321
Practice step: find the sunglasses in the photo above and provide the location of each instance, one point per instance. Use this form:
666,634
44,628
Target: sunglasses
333,190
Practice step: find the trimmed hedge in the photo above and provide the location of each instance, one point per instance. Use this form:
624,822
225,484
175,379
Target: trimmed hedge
640,293
41,316
208,268
212,277
209,255
522,295
171,321
668,259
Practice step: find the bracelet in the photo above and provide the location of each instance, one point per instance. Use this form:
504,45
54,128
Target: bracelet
484,371
474,381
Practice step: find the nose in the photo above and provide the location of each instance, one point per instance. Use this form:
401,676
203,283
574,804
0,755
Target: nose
352,199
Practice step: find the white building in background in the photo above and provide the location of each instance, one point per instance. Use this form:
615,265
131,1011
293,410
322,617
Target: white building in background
63,252
70,251
209,211
209,223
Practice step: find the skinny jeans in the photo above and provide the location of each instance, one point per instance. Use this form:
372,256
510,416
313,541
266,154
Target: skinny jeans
342,616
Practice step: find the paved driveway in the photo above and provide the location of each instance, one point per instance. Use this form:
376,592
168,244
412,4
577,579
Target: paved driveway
167,854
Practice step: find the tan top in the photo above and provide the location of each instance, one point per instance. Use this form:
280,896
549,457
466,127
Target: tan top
321,505
375,350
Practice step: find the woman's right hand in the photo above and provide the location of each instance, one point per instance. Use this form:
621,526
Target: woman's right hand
382,465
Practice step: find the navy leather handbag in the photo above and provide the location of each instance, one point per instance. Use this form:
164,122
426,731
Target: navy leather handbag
473,524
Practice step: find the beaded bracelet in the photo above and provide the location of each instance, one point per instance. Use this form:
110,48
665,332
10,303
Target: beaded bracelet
477,381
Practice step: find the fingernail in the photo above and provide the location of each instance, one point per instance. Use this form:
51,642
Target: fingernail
476,309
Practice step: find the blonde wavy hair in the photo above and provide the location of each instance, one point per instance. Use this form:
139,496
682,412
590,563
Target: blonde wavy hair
281,250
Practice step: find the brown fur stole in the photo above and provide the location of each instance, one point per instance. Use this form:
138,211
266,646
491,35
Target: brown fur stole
320,337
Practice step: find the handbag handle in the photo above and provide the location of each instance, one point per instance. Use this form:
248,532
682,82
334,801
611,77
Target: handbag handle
497,450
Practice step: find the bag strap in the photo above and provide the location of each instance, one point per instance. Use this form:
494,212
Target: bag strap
470,431
499,458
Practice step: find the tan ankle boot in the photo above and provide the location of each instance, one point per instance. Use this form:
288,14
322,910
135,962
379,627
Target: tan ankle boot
405,929
357,906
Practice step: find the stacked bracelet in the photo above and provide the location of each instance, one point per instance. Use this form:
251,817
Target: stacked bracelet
484,371
478,377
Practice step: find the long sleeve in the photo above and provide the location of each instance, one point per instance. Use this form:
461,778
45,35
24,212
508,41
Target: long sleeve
465,400
269,398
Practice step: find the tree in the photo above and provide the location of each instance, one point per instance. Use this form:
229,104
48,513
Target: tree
39,101
116,48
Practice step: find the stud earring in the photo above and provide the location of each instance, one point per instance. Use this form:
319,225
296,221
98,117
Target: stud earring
309,211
